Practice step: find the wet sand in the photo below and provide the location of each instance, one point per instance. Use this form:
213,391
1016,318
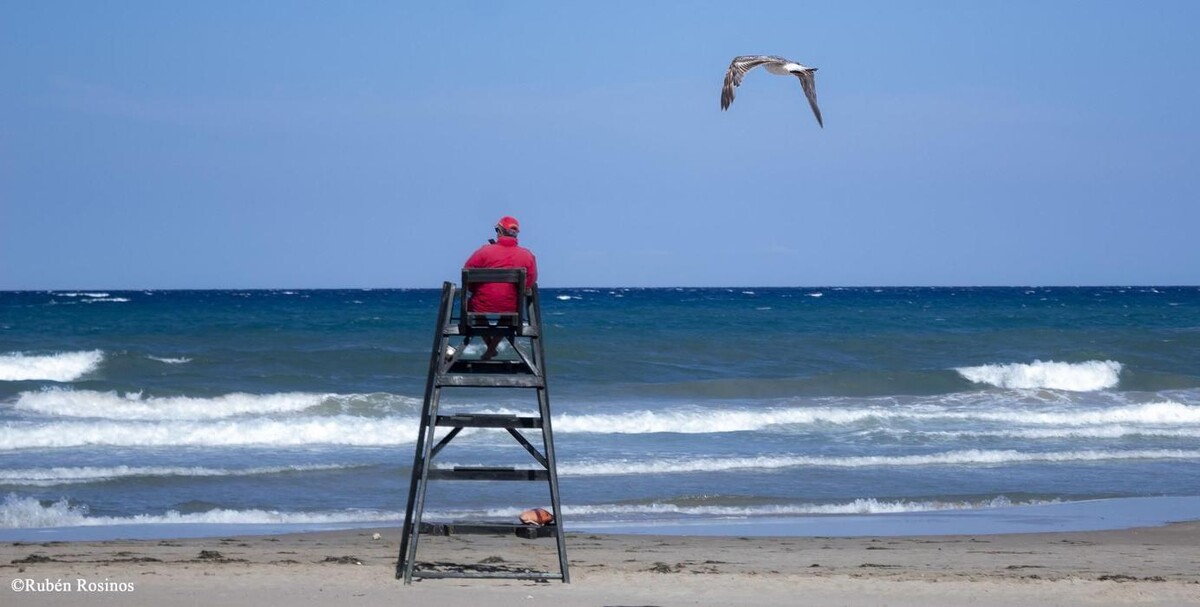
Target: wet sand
1144,566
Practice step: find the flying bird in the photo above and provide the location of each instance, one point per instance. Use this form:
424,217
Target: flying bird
776,65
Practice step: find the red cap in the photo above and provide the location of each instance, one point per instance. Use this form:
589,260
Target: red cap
509,223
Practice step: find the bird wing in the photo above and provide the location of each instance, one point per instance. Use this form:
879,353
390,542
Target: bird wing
809,81
737,70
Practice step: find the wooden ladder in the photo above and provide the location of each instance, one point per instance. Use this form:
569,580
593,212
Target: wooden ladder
449,368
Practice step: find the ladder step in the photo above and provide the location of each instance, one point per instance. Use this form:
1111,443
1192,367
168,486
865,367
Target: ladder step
488,420
528,532
515,575
524,331
481,473
489,381
498,367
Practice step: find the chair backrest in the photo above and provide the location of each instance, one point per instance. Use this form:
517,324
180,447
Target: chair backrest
477,276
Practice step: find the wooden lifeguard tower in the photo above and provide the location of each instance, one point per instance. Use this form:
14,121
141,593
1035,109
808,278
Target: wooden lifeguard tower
450,368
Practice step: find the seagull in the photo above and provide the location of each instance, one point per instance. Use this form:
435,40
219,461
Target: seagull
776,65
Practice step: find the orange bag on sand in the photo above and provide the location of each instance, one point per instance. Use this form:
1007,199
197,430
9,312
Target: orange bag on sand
537,517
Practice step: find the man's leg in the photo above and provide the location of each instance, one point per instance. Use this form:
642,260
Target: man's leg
492,342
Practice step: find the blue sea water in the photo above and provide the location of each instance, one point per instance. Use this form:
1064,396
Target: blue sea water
671,406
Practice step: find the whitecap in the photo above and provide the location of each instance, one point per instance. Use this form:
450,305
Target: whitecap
112,405
170,361
61,367
1087,376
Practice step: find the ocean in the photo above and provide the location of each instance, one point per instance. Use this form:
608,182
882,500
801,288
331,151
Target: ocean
695,406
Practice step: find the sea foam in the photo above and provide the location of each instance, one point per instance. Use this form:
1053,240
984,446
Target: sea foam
1154,414
48,477
857,506
697,420
62,367
951,458
170,361
18,512
704,421
1087,376
23,513
80,418
302,431
111,405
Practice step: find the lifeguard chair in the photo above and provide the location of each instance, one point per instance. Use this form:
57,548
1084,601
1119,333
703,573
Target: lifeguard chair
451,367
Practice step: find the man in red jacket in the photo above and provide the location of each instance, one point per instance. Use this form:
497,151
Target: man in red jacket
504,252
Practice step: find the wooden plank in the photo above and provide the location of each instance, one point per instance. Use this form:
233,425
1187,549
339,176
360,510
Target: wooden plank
494,367
490,381
515,575
471,473
525,331
488,420
445,441
537,455
528,532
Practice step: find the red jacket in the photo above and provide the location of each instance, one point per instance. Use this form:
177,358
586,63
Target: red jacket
506,253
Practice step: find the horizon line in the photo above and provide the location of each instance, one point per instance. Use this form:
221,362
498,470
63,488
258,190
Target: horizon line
628,287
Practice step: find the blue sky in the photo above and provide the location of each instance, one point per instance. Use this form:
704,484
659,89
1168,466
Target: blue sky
296,145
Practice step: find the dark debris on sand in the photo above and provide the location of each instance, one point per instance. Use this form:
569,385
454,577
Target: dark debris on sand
342,560
34,558
488,566
212,556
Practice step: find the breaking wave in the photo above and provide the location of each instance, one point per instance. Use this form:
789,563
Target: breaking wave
950,458
111,405
857,506
81,418
1075,377
331,430
1089,432
62,367
704,421
24,512
694,420
59,402
49,477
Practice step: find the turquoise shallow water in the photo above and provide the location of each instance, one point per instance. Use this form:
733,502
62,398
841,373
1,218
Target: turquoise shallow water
672,406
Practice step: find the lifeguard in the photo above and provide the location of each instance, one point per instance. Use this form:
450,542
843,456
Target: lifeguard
503,252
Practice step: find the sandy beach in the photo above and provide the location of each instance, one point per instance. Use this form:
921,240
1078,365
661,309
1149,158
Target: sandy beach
1144,566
